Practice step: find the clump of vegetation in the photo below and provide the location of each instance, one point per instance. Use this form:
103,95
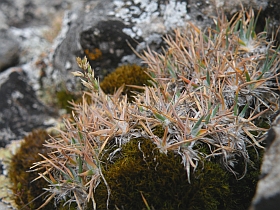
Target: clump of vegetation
64,99
25,191
128,75
140,171
210,90
132,75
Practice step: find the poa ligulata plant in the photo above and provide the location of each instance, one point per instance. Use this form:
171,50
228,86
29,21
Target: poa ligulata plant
209,89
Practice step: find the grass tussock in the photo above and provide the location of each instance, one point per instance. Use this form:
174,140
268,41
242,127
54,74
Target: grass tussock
209,89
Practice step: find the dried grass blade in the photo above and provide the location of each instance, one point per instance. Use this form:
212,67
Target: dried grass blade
253,138
47,201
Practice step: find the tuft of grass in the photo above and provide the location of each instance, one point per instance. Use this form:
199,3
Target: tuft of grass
211,89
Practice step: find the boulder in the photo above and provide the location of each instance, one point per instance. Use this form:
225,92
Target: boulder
26,13
268,192
20,109
106,31
9,50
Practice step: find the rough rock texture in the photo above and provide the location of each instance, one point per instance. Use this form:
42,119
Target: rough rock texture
25,13
9,50
27,29
229,7
20,110
101,30
271,12
268,192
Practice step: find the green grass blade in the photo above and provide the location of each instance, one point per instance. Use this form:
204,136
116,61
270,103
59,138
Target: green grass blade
250,29
241,31
268,63
255,24
73,140
248,79
237,26
196,127
208,78
244,110
159,117
171,71
215,110
207,119
235,109
80,164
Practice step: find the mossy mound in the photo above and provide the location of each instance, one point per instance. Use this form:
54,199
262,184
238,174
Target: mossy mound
141,169
30,195
162,180
128,75
25,192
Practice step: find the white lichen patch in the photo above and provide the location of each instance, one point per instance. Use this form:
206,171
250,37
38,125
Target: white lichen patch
17,95
6,194
150,16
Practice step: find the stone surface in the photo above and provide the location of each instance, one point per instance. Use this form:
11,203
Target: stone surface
271,12
20,110
26,13
103,29
268,192
9,50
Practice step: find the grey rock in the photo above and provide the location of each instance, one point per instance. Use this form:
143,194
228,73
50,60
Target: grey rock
66,46
102,29
4,206
20,110
26,13
211,7
3,21
9,50
268,192
272,13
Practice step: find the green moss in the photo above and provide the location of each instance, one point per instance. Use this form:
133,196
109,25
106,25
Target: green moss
24,191
141,168
162,180
126,74
27,195
244,189
63,99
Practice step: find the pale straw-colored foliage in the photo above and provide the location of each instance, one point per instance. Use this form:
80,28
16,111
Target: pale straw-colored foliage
209,89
